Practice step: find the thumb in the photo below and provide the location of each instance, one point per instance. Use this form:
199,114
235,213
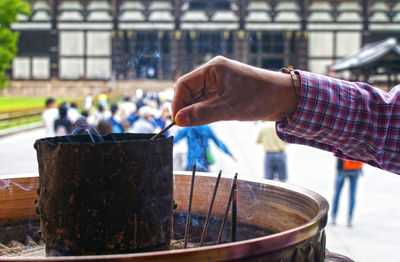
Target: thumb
201,113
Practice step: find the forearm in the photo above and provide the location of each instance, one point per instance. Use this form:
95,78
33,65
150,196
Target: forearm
283,91
353,120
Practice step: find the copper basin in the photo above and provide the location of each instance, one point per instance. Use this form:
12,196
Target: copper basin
297,215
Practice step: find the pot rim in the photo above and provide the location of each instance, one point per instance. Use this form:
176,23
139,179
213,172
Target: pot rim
225,251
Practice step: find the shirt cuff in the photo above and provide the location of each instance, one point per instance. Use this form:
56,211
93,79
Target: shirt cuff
301,128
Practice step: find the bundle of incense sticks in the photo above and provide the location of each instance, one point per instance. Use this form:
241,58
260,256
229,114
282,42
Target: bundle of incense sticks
232,200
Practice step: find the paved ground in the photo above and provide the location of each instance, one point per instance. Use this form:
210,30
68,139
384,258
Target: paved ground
374,236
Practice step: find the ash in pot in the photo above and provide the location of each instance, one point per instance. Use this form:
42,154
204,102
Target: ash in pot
114,196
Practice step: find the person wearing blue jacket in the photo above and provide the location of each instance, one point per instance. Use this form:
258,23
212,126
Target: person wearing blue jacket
198,146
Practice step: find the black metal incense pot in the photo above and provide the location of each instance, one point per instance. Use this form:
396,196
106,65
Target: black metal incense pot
113,196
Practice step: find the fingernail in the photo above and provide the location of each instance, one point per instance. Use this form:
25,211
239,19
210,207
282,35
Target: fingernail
183,119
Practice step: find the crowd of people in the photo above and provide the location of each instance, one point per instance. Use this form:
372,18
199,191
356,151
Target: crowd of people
142,113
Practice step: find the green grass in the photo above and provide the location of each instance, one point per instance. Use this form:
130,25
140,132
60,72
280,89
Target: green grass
17,103
12,103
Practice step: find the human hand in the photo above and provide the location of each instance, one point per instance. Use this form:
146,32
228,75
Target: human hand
224,89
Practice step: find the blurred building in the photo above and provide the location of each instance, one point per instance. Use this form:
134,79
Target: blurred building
126,39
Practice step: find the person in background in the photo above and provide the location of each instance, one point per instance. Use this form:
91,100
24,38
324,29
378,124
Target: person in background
125,109
153,97
139,98
131,119
199,148
145,123
114,120
104,127
351,170
102,99
179,154
73,113
62,125
49,116
101,114
87,103
81,126
85,114
274,148
165,117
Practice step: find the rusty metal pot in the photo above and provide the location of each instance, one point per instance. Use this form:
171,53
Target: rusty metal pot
108,197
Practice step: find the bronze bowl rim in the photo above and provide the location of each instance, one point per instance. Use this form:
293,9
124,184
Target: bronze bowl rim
223,251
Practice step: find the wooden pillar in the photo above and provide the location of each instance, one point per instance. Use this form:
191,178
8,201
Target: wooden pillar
85,56
159,69
241,35
116,41
116,53
301,47
334,46
132,40
85,38
302,37
54,41
177,54
224,40
259,48
365,21
287,48
194,36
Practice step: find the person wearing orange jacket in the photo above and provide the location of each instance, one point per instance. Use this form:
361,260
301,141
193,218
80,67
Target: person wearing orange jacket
351,170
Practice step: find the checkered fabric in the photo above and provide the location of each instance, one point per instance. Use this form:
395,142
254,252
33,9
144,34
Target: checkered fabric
354,120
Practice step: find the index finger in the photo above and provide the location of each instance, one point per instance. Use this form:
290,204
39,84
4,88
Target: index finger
188,90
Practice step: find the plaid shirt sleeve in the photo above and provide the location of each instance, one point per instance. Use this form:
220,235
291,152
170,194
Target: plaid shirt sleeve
351,119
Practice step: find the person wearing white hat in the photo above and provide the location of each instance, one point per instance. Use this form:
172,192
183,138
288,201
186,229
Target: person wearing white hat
144,123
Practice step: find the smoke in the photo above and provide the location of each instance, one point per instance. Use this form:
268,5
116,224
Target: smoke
82,127
8,183
146,62
143,54
247,212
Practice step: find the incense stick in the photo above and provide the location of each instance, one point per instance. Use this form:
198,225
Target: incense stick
189,207
227,210
203,234
163,131
234,213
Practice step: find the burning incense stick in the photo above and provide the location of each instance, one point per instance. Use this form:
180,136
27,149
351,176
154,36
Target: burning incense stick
234,213
203,234
163,131
189,207
227,210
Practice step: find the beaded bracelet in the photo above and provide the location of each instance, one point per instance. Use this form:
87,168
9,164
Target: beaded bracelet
296,83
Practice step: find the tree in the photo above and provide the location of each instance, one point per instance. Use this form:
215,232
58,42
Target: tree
9,10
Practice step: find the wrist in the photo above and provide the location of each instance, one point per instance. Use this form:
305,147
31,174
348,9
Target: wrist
296,80
280,94
289,97
292,91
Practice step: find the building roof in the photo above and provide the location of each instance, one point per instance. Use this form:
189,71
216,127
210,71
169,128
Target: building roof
370,54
